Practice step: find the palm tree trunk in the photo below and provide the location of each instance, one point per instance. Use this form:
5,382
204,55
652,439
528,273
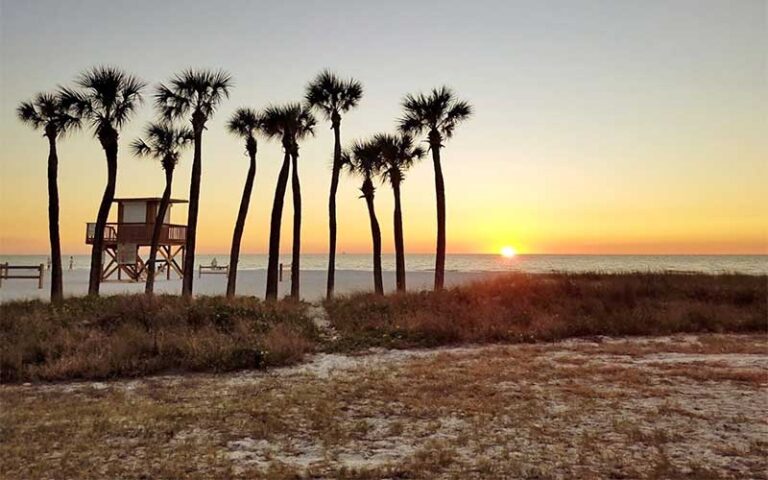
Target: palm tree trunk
274,228
234,254
149,288
108,139
399,241
440,194
194,205
57,289
332,209
296,251
378,283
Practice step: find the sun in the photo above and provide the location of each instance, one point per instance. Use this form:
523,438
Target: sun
508,252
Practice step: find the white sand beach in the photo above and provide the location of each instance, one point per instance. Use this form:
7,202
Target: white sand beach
249,282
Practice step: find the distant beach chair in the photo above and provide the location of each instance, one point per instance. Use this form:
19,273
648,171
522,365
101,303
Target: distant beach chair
213,268
5,272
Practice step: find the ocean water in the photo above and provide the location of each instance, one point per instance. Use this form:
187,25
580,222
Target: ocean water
749,264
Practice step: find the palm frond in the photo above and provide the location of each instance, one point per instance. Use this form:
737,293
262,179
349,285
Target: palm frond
330,94
273,121
440,111
169,105
140,148
129,99
184,136
49,111
398,154
196,90
364,158
353,93
164,142
291,122
304,122
458,112
108,99
244,122
27,113
75,102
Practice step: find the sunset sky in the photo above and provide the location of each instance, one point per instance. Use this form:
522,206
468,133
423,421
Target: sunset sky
599,126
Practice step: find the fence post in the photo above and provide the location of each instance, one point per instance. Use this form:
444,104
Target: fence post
40,279
2,270
281,272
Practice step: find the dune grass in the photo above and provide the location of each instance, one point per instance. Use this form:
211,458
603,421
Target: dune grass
132,335
680,407
526,307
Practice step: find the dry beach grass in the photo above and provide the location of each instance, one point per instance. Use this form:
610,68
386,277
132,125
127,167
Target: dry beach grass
521,381
666,407
132,335
545,307
118,336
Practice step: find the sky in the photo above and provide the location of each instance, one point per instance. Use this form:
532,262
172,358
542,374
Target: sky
599,126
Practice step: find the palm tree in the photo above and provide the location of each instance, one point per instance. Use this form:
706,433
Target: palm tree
108,99
290,123
244,123
302,124
50,113
274,126
287,122
196,93
164,143
333,96
364,160
398,155
437,114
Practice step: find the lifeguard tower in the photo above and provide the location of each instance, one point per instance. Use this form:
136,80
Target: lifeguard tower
125,239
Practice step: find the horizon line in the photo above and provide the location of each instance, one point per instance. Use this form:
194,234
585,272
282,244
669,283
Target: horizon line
226,254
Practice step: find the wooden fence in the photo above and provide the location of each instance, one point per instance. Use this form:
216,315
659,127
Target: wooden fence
6,272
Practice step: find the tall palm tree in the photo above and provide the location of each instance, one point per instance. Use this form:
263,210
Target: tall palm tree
107,99
274,126
164,143
290,123
363,159
302,124
48,111
333,96
398,154
437,114
196,93
244,123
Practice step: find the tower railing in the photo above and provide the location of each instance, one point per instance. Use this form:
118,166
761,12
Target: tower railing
137,233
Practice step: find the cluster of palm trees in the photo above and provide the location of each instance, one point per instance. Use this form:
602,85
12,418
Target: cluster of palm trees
106,98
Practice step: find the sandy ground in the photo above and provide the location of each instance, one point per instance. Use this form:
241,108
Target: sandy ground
249,282
665,407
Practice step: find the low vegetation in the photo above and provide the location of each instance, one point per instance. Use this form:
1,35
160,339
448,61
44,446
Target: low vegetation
131,335
542,411
524,307
123,336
